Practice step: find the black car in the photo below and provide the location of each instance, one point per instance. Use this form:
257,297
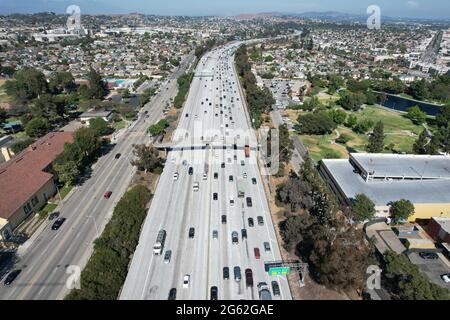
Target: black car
254,180
191,171
12,276
172,294
224,219
226,273
191,232
187,115
223,165
214,293
250,222
275,288
216,175
244,233
57,224
53,215
230,178
117,156
428,255
215,196
260,220
249,202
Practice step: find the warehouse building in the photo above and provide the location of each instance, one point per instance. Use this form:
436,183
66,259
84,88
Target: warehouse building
384,178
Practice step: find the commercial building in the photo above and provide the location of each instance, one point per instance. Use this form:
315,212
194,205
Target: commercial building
26,181
385,178
439,229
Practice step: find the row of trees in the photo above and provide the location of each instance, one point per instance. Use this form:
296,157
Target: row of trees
105,273
258,100
184,82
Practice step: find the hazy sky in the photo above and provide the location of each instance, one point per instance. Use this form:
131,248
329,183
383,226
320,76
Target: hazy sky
393,8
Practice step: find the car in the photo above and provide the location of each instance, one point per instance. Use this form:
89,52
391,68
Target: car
196,186
445,277
205,176
244,175
215,196
107,194
232,202
53,215
223,165
250,222
214,292
215,234
260,220
248,277
224,219
257,253
58,223
216,175
275,288
187,115
244,233
172,294
249,202
186,281
237,273
191,232
428,255
254,180
234,237
12,276
266,246
191,171
230,178
242,163
167,256
175,176
117,156
226,273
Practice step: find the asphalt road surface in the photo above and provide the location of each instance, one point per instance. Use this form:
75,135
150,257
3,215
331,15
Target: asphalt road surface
44,259
176,207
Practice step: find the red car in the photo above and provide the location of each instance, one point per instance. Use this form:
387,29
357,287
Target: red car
107,194
257,254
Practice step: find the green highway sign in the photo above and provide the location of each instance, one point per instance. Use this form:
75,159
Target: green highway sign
279,271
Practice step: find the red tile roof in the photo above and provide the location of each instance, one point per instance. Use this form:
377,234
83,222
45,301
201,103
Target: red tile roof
22,176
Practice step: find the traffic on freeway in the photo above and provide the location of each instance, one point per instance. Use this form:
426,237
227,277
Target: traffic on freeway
209,231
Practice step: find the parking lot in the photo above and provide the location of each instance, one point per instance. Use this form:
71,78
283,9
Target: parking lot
432,268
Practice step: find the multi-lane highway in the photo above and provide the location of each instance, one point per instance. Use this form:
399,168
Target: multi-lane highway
212,122
44,259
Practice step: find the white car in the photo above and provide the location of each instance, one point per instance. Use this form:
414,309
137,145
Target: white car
245,175
446,277
231,201
175,176
186,281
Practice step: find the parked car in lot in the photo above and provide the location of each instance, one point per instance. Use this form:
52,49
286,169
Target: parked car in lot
172,294
167,256
234,237
257,253
275,288
266,246
248,277
226,273
428,255
58,223
260,220
214,293
107,194
445,277
191,232
12,276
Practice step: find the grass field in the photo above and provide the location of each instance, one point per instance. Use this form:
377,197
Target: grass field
4,98
400,133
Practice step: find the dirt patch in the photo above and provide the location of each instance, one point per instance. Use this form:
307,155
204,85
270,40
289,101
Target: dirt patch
147,179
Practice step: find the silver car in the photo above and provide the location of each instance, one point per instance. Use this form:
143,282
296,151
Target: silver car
167,256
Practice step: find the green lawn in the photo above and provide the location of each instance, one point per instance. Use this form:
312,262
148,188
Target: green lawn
119,125
49,207
64,191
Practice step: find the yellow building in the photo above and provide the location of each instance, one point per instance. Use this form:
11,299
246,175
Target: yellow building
384,178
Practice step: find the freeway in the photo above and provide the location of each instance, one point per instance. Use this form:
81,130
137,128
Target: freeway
44,258
213,111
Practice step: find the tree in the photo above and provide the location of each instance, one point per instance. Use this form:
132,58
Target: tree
338,116
21,145
420,146
37,127
316,123
352,120
99,125
363,208
85,139
158,128
376,140
419,89
286,144
147,158
402,209
3,116
67,172
62,81
416,115
97,87
28,84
